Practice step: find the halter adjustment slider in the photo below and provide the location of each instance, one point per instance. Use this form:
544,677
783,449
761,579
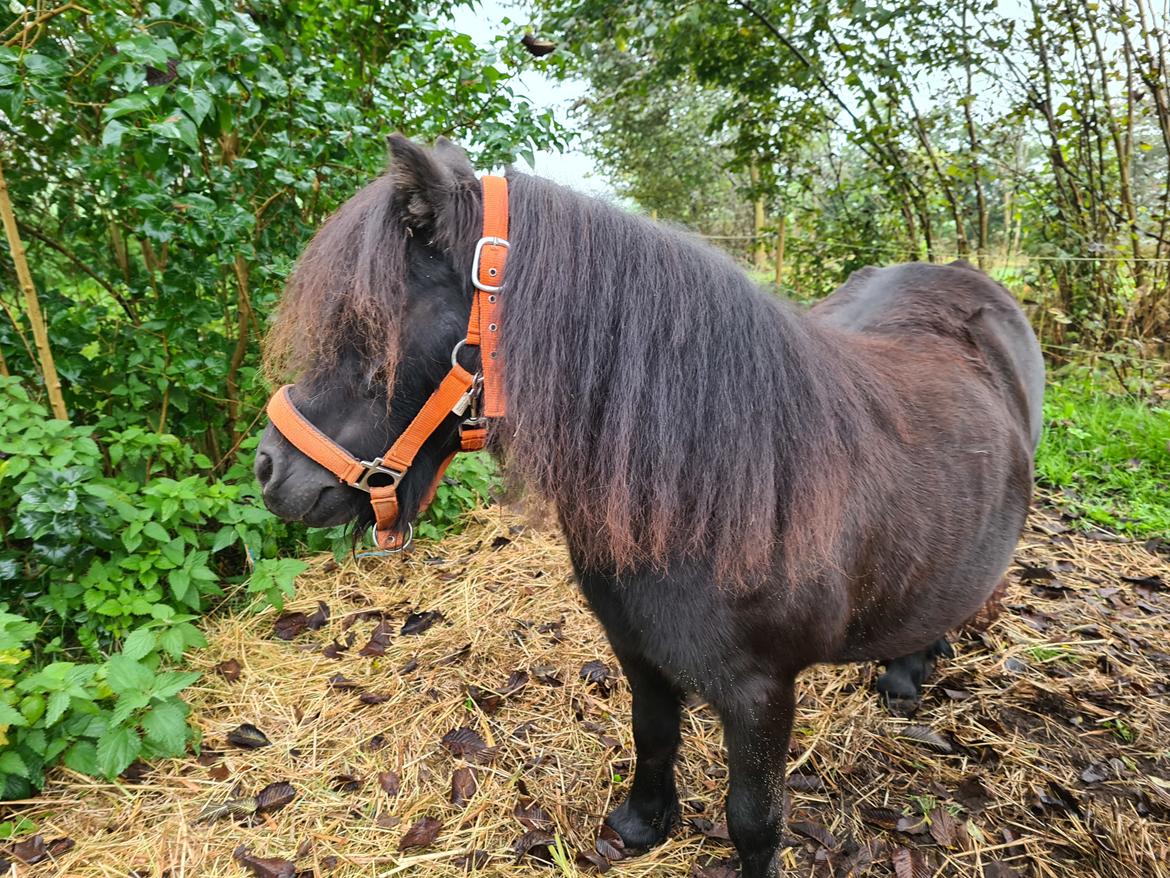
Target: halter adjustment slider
375,468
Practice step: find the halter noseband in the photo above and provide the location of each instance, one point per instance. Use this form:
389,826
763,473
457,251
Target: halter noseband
477,396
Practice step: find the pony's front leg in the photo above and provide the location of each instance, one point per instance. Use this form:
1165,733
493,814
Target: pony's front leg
644,818
756,734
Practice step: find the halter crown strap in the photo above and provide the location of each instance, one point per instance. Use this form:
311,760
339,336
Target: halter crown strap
457,392
487,274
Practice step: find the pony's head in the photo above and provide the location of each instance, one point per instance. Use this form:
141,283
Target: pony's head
366,328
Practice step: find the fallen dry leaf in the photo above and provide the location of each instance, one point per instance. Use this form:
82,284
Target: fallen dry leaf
274,796
816,832
927,736
609,844
909,864
390,782
248,736
264,867
379,640
531,815
534,843
463,786
884,818
466,744
946,830
345,783
417,623
289,625
319,617
421,833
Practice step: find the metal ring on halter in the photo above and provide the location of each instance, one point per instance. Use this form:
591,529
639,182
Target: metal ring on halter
405,543
455,352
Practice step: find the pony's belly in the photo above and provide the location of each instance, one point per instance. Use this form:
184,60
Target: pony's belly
916,614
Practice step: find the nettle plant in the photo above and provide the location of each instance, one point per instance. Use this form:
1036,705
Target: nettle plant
97,717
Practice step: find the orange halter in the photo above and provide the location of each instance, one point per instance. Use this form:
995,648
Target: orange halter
460,393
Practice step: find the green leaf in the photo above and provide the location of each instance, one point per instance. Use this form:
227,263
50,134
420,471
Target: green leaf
139,644
156,531
124,106
57,705
11,762
166,727
124,674
10,716
112,135
82,757
224,538
175,551
116,749
171,683
128,704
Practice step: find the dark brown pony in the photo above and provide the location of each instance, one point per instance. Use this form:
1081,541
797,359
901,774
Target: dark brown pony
745,489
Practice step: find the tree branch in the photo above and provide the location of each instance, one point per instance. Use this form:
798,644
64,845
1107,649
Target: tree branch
73,258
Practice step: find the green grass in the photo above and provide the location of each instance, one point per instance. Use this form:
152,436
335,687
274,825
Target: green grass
1109,454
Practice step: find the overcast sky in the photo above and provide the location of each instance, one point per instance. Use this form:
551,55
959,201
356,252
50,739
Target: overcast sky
572,168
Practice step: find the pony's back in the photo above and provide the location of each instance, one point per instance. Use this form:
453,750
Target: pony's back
956,302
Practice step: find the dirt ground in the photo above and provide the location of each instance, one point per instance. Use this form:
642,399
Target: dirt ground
493,737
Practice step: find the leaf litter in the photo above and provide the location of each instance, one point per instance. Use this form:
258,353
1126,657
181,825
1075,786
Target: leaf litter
1056,730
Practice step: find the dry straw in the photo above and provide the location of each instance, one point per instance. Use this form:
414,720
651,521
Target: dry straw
1056,720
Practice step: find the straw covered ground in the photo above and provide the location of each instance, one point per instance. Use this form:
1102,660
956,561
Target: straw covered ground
494,736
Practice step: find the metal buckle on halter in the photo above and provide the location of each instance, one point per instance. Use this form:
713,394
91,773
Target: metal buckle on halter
471,398
475,281
374,468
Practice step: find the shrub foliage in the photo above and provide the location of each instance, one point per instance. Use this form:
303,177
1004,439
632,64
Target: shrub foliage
167,161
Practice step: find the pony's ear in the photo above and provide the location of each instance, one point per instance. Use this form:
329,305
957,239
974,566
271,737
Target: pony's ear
454,157
424,184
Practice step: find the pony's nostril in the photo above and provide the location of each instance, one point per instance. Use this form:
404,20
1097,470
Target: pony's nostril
263,468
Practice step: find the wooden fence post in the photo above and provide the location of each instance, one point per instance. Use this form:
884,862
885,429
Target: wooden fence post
33,304
781,234
759,245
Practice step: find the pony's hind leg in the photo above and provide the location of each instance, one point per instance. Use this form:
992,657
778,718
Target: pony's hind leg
644,819
901,684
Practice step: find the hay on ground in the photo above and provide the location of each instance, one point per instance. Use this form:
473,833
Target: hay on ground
1041,750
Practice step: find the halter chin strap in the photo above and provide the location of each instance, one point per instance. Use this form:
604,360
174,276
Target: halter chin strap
474,397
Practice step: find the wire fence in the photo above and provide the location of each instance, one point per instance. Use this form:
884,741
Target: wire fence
795,244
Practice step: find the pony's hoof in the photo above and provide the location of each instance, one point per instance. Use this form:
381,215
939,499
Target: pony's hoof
899,693
638,833
941,648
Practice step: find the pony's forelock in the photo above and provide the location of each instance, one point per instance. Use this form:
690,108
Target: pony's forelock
347,290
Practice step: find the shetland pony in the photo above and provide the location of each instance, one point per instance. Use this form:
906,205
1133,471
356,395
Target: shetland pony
745,488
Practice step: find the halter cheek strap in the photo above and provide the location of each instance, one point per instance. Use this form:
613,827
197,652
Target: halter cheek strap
460,393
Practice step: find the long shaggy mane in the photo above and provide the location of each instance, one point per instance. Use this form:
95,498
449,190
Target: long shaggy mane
664,403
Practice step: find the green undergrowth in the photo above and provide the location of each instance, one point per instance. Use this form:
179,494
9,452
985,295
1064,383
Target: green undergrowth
1107,454
113,544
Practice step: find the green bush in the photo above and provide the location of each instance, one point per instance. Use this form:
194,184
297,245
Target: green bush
118,560
98,540
97,717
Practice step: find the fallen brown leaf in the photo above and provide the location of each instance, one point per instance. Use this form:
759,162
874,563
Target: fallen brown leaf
421,833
